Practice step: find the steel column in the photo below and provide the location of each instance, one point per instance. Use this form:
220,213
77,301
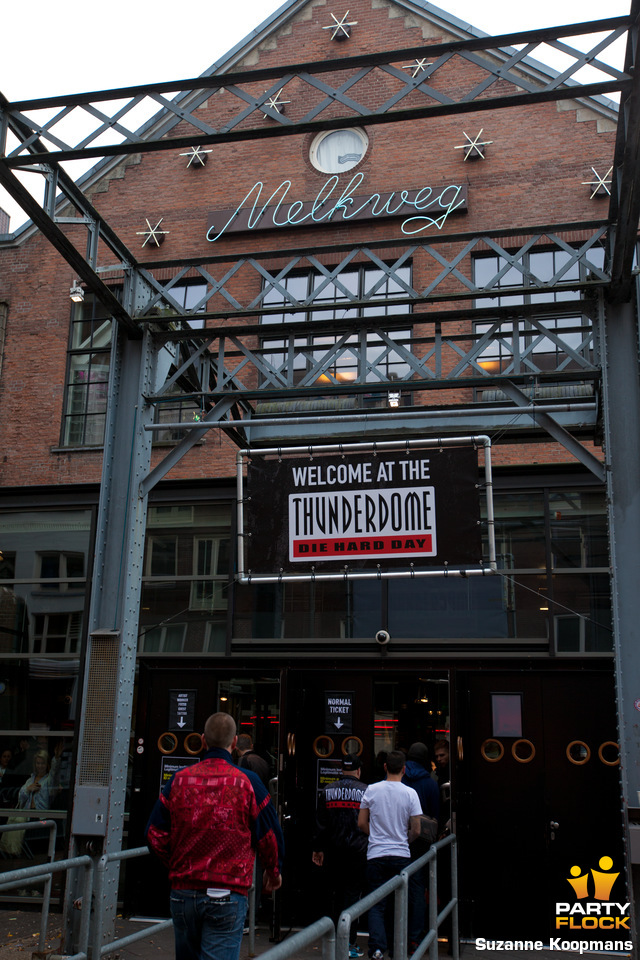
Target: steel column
115,594
621,405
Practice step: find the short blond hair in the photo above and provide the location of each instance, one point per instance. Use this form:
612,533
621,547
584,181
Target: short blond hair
219,731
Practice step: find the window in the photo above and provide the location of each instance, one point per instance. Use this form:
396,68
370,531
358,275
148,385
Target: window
366,356
338,150
89,361
161,556
524,342
86,397
56,567
210,559
185,586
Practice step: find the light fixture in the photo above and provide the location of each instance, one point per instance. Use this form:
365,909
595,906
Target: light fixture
543,600
394,398
76,292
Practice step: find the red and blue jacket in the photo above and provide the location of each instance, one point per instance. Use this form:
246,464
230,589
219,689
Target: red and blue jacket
208,823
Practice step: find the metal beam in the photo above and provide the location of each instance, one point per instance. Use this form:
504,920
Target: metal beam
558,433
624,209
536,84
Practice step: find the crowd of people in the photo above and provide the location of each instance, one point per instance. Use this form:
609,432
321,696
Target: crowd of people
212,820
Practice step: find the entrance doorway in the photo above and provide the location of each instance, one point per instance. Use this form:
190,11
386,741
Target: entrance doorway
174,702
330,714
303,722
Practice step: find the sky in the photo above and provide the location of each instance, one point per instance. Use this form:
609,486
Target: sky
129,42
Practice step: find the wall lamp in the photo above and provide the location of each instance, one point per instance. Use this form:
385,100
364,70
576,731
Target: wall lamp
394,398
76,292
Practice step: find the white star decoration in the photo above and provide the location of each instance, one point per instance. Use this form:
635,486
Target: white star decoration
197,156
152,234
275,103
600,184
341,27
418,66
472,147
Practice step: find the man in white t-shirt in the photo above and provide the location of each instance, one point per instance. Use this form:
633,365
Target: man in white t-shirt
390,813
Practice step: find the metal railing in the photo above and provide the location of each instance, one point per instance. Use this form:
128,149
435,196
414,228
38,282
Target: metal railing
28,827
335,939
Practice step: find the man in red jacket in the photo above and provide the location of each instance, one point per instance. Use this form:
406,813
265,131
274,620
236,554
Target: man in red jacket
206,826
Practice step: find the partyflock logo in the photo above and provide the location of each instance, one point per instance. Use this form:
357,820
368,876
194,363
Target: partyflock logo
594,909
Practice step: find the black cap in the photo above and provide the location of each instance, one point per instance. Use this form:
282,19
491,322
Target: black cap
351,762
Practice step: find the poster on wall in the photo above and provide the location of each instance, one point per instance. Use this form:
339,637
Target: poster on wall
363,510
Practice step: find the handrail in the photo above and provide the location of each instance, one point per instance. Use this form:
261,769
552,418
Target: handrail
399,886
13,878
335,939
52,828
321,929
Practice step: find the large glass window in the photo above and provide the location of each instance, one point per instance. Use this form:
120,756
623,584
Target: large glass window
44,561
89,360
85,407
185,587
311,358
525,342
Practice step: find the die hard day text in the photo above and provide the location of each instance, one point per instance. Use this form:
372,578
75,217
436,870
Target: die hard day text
347,473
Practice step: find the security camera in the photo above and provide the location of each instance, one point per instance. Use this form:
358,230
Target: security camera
383,637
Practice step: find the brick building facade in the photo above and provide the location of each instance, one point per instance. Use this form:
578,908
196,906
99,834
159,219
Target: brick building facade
515,670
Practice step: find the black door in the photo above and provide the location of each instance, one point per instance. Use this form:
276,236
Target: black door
540,797
174,702
330,712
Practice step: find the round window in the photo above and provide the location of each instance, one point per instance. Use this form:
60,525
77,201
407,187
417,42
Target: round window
492,750
338,150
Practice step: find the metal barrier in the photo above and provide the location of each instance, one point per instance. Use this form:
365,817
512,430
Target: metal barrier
52,830
399,886
335,940
321,929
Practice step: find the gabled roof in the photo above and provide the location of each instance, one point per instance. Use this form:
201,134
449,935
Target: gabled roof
446,22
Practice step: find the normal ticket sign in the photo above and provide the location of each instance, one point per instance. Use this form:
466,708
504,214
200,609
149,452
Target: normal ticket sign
364,510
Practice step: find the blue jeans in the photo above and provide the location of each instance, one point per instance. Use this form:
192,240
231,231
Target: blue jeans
379,870
205,928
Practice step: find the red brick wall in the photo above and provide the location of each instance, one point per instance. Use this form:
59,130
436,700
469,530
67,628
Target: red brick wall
533,174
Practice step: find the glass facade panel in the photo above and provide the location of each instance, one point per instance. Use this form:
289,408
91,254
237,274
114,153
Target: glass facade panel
540,538
185,588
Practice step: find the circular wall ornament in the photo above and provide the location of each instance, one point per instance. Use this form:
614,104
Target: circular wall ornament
193,744
609,753
336,151
167,743
352,745
492,750
523,751
323,746
578,752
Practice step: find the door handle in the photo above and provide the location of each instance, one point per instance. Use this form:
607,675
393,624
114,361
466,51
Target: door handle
554,825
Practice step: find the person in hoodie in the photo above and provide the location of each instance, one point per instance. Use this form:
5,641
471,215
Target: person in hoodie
417,774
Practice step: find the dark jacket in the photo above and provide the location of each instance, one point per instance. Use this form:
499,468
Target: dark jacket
253,761
418,777
337,817
209,820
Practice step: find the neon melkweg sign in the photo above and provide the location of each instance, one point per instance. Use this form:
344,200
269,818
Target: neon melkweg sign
422,209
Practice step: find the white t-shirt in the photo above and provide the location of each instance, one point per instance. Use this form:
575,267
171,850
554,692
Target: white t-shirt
390,804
